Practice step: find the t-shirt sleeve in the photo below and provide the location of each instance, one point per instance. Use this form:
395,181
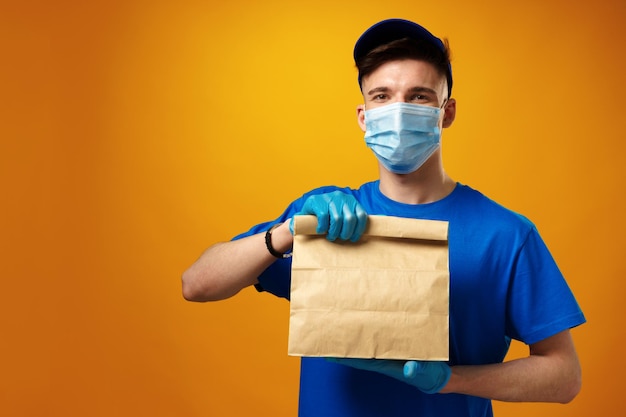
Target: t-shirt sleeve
540,302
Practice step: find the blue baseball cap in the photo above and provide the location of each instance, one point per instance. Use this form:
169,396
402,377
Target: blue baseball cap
393,29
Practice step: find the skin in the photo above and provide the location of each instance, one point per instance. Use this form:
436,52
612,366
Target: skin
551,371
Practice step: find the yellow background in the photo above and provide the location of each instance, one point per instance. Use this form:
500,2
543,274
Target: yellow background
136,133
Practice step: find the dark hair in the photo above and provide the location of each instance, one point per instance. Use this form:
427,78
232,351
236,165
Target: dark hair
406,48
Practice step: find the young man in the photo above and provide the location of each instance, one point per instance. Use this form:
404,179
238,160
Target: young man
504,283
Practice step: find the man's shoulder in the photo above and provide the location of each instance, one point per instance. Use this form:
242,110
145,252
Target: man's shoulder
486,207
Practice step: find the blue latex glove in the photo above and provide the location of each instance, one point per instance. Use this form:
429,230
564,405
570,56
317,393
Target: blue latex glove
339,215
427,376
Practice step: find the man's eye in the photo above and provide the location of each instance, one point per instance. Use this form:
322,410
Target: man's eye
380,96
419,98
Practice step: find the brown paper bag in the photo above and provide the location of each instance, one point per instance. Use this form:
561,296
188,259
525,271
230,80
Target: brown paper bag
385,296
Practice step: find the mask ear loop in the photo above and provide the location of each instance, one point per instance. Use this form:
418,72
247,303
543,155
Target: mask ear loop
443,110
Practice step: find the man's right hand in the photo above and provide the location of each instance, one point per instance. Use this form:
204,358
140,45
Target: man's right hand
339,215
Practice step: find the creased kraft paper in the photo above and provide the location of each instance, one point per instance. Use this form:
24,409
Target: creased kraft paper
385,296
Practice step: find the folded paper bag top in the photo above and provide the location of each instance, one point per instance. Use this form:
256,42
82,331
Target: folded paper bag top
385,226
386,296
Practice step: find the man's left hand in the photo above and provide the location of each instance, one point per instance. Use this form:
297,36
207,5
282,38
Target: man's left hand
427,376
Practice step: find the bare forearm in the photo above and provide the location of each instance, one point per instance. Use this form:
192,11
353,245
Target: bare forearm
509,381
552,376
226,268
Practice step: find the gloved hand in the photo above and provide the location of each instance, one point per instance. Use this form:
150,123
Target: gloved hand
427,376
338,215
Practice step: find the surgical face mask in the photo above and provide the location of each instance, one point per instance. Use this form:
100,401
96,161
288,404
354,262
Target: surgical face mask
402,135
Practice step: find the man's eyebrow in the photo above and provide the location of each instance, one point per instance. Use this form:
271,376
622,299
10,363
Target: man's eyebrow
383,89
422,90
378,90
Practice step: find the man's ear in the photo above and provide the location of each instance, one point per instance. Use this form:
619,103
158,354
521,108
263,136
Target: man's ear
449,113
360,116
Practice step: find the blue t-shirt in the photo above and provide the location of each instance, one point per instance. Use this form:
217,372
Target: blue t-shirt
504,285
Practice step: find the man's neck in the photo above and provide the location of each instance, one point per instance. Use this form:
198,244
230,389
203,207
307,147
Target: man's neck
428,184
